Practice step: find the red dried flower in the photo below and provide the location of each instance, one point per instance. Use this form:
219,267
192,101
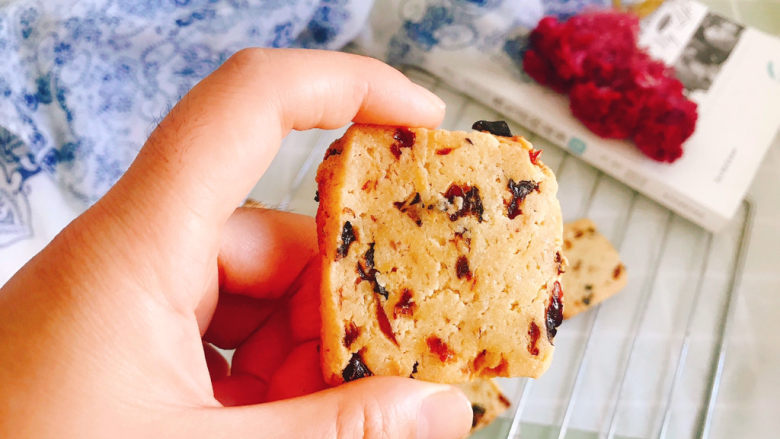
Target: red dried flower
667,120
615,89
605,111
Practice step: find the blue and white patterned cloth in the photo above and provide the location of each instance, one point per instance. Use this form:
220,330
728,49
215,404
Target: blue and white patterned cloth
83,83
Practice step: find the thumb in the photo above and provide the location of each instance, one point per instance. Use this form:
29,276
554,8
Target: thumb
376,407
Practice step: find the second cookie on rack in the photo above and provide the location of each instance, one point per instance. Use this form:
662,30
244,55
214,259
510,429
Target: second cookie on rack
595,271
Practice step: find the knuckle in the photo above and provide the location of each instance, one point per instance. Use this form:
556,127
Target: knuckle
378,64
248,58
366,420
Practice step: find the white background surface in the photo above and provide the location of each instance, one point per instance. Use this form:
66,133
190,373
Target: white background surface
750,397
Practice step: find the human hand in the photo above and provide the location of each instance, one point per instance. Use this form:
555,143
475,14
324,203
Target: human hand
100,333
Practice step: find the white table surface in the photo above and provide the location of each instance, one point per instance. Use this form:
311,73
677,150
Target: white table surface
749,403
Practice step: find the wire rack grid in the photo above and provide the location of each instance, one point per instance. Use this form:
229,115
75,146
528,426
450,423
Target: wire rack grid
646,363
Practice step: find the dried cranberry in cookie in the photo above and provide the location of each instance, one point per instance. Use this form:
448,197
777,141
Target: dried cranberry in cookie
404,138
410,206
367,272
466,200
534,155
519,191
351,333
462,268
347,238
533,335
554,315
439,348
405,305
477,413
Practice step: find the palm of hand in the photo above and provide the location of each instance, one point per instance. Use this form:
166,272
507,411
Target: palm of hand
103,331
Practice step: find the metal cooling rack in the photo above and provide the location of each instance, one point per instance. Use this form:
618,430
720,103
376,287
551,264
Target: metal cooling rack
646,363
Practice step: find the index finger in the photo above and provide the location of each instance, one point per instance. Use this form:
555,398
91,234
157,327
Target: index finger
214,145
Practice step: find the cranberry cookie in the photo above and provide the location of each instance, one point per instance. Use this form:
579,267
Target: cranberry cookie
487,401
441,255
594,272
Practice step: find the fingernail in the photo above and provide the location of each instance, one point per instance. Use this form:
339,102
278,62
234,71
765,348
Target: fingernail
444,415
434,100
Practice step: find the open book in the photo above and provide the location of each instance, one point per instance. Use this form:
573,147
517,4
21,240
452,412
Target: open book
731,71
